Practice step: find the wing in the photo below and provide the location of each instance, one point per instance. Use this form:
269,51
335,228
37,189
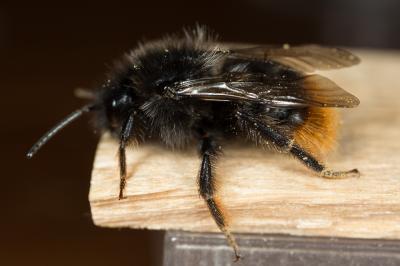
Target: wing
305,58
311,90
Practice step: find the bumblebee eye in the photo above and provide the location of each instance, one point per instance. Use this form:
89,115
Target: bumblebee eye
118,103
123,100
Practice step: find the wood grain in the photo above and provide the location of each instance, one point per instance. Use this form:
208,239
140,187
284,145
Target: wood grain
266,192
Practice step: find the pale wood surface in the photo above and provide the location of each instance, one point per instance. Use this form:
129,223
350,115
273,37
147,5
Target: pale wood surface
265,192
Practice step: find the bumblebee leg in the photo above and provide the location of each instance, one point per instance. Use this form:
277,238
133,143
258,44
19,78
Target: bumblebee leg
330,174
207,188
313,164
288,145
123,141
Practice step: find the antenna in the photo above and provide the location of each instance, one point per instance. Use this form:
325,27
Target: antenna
63,123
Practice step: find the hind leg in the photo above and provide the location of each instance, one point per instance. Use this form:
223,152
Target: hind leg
316,166
283,143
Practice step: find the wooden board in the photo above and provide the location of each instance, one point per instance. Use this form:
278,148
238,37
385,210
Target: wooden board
265,192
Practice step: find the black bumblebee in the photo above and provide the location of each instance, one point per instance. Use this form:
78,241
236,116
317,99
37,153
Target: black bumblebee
191,90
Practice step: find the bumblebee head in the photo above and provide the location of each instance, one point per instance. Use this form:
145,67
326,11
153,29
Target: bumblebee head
117,103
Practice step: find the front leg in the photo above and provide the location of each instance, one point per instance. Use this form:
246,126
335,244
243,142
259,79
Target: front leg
207,189
125,136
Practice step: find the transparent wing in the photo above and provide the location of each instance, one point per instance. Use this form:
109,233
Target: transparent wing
305,58
311,90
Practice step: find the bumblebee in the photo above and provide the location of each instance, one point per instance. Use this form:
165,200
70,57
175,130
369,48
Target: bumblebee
190,90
